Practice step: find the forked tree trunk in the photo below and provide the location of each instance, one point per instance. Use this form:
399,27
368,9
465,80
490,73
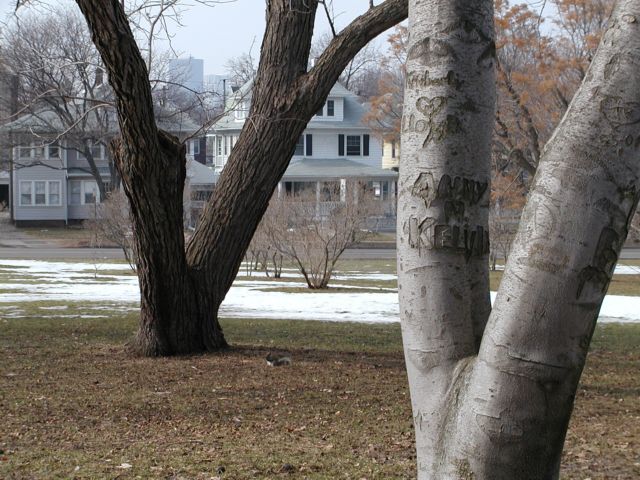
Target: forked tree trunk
443,206
182,291
502,411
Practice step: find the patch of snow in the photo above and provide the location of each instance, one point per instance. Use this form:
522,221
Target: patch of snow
255,298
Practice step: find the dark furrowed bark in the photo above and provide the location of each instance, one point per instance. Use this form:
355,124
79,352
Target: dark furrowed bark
177,313
181,293
284,100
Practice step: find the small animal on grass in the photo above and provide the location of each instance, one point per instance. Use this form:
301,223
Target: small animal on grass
278,360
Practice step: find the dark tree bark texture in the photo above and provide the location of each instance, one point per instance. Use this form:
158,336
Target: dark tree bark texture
182,289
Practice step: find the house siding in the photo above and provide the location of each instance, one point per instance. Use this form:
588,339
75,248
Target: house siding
81,212
40,173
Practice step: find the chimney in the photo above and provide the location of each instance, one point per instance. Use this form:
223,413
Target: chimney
99,76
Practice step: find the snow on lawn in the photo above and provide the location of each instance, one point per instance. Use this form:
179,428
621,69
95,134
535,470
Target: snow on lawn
82,282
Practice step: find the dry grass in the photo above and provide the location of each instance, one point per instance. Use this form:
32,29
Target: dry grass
74,406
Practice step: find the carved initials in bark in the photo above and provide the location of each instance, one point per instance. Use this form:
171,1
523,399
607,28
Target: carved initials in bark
499,408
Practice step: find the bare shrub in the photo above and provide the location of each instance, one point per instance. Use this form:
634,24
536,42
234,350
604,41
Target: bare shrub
112,223
314,228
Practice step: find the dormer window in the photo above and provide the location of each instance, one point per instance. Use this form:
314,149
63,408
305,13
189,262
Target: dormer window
327,110
242,110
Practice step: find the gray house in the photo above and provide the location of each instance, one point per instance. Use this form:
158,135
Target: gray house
51,180
335,150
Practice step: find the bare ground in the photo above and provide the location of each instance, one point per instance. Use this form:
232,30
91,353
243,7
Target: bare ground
75,406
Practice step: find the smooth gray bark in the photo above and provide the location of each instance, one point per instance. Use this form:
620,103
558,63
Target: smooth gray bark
506,410
443,205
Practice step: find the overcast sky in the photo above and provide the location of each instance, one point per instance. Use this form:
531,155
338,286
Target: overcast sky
228,29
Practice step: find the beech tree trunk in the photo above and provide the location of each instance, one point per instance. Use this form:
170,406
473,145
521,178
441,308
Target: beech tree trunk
501,410
181,291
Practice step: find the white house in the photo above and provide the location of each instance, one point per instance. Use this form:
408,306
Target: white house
335,148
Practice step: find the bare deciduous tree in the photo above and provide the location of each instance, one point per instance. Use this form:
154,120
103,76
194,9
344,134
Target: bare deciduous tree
182,290
112,224
492,390
354,76
62,93
241,69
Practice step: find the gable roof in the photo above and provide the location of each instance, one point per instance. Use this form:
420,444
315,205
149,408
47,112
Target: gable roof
354,110
48,122
199,174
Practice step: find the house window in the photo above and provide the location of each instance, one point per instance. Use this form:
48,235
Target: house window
353,145
97,152
54,193
393,149
75,186
320,112
54,151
24,152
196,147
242,110
25,193
90,193
226,145
300,188
330,108
49,151
40,193
300,146
83,192
219,146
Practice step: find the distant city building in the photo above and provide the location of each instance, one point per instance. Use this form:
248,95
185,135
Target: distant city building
188,72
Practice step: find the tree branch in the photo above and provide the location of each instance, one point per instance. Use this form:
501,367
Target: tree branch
352,39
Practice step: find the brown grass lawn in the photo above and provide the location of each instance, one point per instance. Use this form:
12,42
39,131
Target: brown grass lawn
75,406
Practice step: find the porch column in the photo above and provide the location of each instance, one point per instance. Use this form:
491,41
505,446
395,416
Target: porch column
318,193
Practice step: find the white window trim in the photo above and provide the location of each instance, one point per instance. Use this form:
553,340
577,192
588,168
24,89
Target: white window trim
325,110
304,146
83,190
346,145
47,193
241,111
102,153
33,148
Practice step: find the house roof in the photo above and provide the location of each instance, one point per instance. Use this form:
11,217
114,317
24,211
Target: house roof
334,169
47,121
199,174
352,116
